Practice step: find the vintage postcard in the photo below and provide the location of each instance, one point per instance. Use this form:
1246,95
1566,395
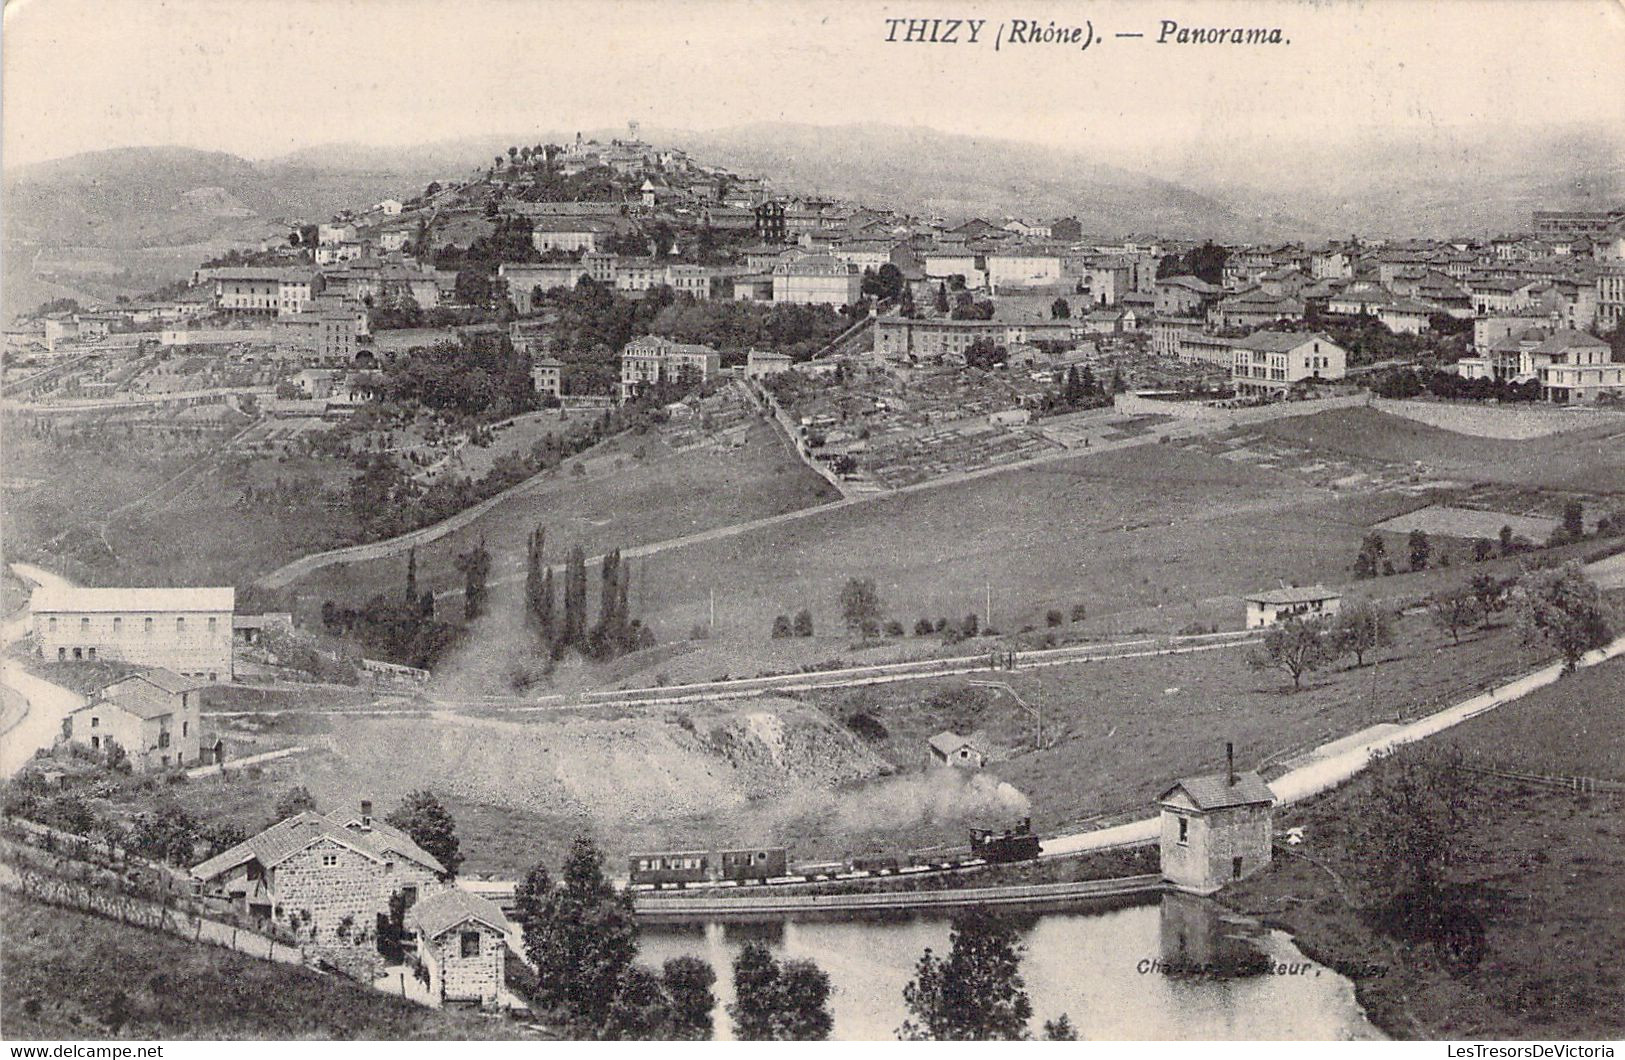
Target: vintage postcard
699,520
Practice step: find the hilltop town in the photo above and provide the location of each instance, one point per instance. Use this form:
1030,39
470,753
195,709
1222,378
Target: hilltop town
772,543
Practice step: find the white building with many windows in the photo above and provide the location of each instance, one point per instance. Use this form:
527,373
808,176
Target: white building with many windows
184,630
1271,362
816,279
652,359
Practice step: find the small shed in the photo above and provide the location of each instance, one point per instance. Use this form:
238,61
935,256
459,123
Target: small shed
1215,829
948,748
1294,601
462,940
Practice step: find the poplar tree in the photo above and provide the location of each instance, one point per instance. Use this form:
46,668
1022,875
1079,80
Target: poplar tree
575,598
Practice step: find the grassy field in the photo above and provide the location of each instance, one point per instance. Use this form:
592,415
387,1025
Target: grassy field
1170,534
1586,460
1117,733
1547,886
632,490
200,536
71,976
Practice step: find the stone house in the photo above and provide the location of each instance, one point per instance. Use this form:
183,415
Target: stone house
327,879
1215,829
462,940
152,714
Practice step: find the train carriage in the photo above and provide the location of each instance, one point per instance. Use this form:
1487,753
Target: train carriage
683,867
756,863
670,866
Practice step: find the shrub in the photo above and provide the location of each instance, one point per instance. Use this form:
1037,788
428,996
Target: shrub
867,727
781,627
804,623
699,631
1078,612
923,628
1053,618
894,628
970,625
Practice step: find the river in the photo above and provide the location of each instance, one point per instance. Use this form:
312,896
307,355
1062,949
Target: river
1095,966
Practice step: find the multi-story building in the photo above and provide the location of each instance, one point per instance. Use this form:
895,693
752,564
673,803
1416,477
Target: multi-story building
325,332
1024,267
696,281
759,363
1271,362
816,279
1611,295
1179,296
770,226
1557,224
152,714
547,376
524,280
570,235
185,630
652,359
905,339
1252,309
1576,368
639,274
1572,367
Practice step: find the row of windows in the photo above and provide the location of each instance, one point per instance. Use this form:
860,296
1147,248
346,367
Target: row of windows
146,624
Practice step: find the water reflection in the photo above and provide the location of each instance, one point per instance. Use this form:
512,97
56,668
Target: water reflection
1104,968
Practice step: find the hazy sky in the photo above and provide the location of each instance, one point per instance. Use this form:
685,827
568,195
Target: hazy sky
262,77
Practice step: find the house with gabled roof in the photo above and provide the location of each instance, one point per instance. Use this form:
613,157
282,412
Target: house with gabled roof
152,714
1269,363
1291,601
948,748
1215,828
327,879
462,940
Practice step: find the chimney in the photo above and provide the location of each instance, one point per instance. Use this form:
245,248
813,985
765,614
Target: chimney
366,813
1230,763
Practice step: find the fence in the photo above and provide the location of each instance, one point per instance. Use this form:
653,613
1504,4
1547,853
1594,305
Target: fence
1580,785
23,872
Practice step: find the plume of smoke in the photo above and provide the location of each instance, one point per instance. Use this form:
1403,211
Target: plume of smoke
936,796
888,806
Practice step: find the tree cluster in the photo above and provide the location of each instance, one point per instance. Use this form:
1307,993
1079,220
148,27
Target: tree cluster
580,936
616,631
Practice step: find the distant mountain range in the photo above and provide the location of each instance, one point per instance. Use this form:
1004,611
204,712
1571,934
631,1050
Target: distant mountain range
109,214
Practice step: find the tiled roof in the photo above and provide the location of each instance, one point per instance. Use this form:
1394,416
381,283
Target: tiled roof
1215,792
76,598
1293,594
948,741
286,838
1566,339
444,910
140,706
1277,341
1190,283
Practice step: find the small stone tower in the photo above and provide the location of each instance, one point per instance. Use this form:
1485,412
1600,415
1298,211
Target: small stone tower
1216,828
